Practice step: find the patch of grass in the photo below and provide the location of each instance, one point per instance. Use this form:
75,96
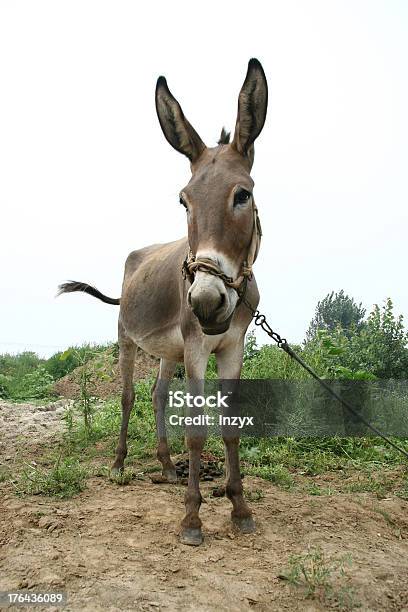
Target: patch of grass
106,420
403,491
369,485
65,478
254,495
125,477
386,516
277,474
4,474
315,489
318,577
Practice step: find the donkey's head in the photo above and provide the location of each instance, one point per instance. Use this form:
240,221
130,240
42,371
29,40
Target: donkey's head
218,198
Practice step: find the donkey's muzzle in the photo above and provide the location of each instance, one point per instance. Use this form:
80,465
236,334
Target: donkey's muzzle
209,304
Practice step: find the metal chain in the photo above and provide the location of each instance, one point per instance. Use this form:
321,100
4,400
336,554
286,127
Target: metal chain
260,321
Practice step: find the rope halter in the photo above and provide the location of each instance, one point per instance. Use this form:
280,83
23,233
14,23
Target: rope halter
193,264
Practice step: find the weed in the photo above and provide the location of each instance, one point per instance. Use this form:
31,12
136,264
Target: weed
403,492
318,576
4,474
386,516
64,479
254,495
125,477
370,485
315,489
277,474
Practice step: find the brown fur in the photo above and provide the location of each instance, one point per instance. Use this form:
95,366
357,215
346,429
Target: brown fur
163,314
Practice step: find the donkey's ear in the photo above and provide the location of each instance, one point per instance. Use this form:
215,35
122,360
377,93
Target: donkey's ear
178,131
252,105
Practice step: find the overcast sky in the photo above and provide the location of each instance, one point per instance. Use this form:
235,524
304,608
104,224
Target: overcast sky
86,175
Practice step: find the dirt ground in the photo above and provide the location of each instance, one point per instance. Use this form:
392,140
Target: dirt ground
116,548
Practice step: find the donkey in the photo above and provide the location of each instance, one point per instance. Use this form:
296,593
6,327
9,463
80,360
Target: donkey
184,317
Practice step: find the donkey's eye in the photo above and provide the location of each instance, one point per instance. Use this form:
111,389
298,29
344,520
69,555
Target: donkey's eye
242,196
182,202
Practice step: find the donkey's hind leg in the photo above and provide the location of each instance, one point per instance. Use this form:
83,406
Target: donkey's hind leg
127,352
159,397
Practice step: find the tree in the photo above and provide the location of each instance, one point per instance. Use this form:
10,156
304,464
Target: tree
381,345
336,310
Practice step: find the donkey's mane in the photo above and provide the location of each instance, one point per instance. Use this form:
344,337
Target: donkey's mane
224,138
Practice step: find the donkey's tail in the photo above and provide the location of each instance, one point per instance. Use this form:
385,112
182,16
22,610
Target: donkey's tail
72,286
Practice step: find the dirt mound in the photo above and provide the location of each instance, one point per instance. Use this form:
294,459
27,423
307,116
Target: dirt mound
108,381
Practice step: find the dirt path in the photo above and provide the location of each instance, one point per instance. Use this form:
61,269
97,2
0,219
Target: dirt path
116,548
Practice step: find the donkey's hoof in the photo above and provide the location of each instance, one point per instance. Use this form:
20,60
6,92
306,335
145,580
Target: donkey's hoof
245,524
191,537
116,471
170,475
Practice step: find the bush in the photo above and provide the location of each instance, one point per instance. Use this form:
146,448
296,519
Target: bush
64,479
34,385
4,386
62,363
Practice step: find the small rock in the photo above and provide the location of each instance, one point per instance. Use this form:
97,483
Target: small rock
53,579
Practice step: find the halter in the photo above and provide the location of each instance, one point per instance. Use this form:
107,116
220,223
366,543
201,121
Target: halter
193,264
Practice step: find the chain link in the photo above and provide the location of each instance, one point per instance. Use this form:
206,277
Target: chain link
260,321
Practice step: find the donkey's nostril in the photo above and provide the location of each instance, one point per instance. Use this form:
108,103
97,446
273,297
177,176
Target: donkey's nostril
222,301
189,297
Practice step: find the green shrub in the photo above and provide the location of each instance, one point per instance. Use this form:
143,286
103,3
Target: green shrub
64,479
62,363
34,385
4,386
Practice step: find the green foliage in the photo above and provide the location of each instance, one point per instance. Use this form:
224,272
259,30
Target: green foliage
278,474
93,366
105,425
375,349
15,379
251,348
64,479
330,352
319,575
62,363
4,386
271,362
33,385
381,345
17,366
336,310
27,376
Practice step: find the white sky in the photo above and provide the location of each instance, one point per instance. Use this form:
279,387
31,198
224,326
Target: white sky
86,175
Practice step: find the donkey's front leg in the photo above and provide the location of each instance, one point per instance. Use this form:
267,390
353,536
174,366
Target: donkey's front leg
159,397
195,361
229,364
